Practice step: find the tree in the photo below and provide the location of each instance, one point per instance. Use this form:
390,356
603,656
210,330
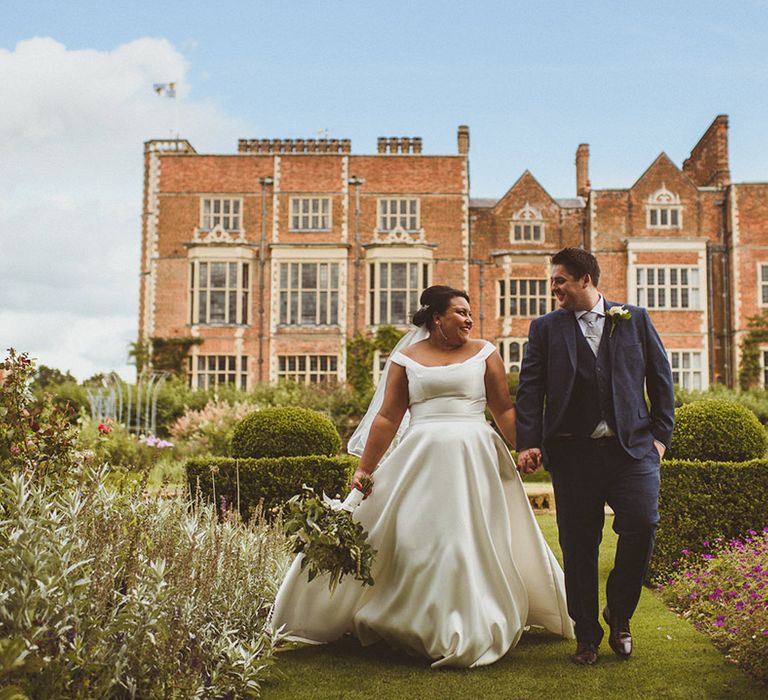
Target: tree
45,377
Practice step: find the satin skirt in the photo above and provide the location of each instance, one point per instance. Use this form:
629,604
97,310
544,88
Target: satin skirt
461,567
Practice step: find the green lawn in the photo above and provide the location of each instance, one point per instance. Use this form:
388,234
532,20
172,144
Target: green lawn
672,660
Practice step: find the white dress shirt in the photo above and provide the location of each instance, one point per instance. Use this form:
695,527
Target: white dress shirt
602,429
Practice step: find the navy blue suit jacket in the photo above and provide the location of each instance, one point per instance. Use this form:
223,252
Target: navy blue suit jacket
638,363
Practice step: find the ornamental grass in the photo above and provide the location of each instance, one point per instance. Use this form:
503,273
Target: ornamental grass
724,592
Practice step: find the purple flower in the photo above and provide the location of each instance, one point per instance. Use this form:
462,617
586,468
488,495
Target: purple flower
765,633
720,621
685,552
733,630
740,605
705,543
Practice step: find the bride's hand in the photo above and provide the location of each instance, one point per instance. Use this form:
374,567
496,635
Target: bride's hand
363,481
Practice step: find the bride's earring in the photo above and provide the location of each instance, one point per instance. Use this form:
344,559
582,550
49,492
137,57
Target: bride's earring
440,328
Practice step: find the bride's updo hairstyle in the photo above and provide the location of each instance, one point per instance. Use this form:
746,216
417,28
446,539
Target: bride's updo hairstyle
435,300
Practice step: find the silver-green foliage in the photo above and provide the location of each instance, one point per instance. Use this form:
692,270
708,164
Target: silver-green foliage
116,595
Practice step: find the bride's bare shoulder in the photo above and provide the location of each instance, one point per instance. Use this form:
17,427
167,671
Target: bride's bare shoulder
417,348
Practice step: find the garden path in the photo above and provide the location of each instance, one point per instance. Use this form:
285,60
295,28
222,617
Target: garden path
672,660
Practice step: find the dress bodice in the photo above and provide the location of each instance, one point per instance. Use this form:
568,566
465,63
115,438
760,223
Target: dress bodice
446,392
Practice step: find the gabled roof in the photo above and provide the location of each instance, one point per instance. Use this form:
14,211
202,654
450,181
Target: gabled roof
660,158
526,174
563,203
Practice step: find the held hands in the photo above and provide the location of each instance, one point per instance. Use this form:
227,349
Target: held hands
363,481
528,461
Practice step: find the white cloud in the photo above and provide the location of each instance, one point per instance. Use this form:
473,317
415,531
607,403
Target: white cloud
72,129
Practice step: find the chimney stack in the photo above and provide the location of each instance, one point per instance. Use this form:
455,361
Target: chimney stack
463,136
583,185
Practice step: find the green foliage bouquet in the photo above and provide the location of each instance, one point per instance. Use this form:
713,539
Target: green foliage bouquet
331,541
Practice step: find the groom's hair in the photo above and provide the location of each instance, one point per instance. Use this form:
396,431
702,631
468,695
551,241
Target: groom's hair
578,262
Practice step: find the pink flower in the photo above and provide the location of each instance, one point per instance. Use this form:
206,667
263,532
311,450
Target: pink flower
15,450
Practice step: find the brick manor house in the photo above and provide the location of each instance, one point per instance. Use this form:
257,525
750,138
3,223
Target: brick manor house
275,255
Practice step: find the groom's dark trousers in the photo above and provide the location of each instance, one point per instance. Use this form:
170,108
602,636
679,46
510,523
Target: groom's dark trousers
564,392
587,474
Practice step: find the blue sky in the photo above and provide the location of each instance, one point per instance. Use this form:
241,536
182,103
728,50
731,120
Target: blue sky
532,81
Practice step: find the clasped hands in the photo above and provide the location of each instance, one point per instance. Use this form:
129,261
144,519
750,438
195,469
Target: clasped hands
528,461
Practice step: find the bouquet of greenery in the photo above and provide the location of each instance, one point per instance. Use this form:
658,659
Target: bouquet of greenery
331,541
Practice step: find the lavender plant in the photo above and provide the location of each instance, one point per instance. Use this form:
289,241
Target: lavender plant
116,595
724,592
108,593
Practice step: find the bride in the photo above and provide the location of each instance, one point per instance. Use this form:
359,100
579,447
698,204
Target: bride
462,567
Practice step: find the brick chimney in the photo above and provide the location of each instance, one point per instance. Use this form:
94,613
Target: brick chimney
583,185
708,163
463,136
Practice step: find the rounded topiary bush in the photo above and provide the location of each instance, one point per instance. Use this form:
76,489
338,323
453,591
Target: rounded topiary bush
284,432
717,430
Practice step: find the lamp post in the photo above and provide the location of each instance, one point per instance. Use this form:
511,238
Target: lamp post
357,183
264,182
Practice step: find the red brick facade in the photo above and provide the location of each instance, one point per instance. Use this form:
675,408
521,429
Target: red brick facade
276,254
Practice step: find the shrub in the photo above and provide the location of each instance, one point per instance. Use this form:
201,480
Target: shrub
700,501
756,400
209,430
268,480
717,430
109,595
119,448
36,435
724,592
284,432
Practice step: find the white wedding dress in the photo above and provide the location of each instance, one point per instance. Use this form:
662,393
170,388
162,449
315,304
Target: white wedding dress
462,567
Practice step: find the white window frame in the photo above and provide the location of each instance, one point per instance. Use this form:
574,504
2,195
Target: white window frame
509,349
398,214
685,373
526,226
672,290
762,285
206,371
224,213
663,206
541,297
763,366
310,213
299,368
236,294
379,360
378,295
291,297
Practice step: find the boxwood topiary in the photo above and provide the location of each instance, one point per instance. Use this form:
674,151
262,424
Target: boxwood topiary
700,501
284,432
269,480
717,430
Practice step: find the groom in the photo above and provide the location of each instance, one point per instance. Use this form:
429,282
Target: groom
581,411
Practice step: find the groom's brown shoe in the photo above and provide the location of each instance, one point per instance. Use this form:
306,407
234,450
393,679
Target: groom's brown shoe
620,638
586,654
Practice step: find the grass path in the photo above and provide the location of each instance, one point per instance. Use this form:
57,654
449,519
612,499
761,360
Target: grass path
672,660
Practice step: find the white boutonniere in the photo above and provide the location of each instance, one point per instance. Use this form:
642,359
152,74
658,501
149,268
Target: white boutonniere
616,314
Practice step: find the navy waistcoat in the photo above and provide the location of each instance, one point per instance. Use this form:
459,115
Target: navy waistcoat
590,400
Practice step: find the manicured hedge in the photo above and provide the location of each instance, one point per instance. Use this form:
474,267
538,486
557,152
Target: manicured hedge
718,430
271,480
700,501
284,432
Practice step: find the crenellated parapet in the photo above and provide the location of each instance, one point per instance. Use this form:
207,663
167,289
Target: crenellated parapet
294,146
399,145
